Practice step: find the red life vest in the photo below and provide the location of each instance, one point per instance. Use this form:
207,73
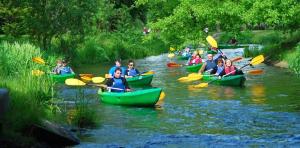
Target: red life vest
229,69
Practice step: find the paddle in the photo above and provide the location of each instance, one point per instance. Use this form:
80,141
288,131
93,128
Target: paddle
171,55
212,42
257,60
37,72
255,72
39,60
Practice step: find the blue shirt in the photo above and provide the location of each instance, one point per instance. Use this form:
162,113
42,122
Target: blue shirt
112,71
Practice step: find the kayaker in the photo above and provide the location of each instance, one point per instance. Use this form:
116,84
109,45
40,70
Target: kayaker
131,71
65,69
231,69
209,64
57,68
118,65
196,60
117,82
219,69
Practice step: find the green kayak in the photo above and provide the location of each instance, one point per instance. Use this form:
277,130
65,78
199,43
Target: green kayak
140,80
147,97
182,57
234,80
193,68
61,78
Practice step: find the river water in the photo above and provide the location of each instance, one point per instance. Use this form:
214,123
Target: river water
265,112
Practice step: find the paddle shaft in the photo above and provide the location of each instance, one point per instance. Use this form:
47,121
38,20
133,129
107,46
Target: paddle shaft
103,86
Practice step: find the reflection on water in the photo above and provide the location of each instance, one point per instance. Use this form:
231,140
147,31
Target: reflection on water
263,113
258,93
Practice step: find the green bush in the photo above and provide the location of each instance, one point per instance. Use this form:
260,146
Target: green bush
293,60
118,45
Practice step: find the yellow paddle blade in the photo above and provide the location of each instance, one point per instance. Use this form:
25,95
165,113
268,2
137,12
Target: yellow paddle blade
211,41
98,79
257,60
171,55
86,75
195,77
201,85
172,49
148,73
200,51
183,79
107,76
86,79
74,82
37,72
38,60
255,72
162,96
193,74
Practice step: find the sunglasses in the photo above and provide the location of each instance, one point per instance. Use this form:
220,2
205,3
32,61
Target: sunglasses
130,64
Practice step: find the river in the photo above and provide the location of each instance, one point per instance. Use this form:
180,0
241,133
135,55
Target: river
265,112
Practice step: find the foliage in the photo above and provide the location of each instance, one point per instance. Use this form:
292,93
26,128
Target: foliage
43,20
29,95
293,60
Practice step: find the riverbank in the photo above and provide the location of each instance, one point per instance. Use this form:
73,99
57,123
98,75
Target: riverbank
282,49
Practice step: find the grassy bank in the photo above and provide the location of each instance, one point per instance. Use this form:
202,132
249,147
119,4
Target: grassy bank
29,96
277,46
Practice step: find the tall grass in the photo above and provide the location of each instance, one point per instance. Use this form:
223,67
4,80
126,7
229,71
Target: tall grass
83,115
29,95
293,59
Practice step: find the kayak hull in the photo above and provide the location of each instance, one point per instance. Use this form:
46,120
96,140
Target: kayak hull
147,97
182,57
61,78
234,80
140,80
194,68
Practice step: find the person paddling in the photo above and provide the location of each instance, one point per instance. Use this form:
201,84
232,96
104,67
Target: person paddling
58,67
208,65
118,82
118,65
196,60
65,69
131,71
231,69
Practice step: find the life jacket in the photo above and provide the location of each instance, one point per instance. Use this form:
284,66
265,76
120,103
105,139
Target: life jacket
118,83
219,69
132,72
65,70
210,65
230,69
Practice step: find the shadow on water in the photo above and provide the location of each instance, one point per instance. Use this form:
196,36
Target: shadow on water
265,112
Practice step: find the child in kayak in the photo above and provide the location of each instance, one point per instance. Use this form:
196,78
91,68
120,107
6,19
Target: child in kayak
65,69
119,83
219,69
118,65
131,71
57,68
231,69
196,60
